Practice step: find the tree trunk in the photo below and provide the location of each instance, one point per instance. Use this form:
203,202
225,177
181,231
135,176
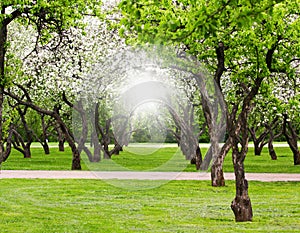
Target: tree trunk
198,158
61,139
259,142
2,150
241,205
238,131
44,140
272,152
65,131
97,153
20,145
116,150
27,152
66,135
292,139
46,147
3,40
258,148
217,174
271,127
61,145
76,159
107,154
97,146
297,158
76,155
4,156
207,159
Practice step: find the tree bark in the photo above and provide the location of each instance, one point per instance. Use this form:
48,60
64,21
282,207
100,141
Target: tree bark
75,152
60,138
44,141
5,155
97,154
20,145
198,158
238,131
272,152
241,204
61,144
257,149
3,40
207,159
217,174
88,153
2,150
67,134
292,138
46,147
25,150
259,142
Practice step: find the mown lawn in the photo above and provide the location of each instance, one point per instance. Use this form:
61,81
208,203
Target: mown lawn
38,205
144,159
179,206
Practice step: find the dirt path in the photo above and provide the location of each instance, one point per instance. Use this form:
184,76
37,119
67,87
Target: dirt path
25,174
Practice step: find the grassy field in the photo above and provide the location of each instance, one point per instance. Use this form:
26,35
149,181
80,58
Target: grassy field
178,206
145,158
44,206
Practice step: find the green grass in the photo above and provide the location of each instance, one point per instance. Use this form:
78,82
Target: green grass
148,159
179,206
39,161
263,163
38,205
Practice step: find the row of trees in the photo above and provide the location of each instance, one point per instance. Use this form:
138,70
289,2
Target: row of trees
259,41
251,49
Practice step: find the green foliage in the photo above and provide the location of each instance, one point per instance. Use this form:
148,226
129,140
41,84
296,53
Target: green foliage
141,135
247,29
187,22
49,18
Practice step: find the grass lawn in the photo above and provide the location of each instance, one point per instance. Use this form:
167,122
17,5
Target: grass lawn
179,206
143,158
38,205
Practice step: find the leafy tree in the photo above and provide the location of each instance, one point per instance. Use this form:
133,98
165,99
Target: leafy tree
46,17
287,107
258,39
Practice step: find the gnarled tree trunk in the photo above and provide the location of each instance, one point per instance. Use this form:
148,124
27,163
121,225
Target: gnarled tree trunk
272,152
259,142
292,138
44,140
3,40
241,204
217,174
